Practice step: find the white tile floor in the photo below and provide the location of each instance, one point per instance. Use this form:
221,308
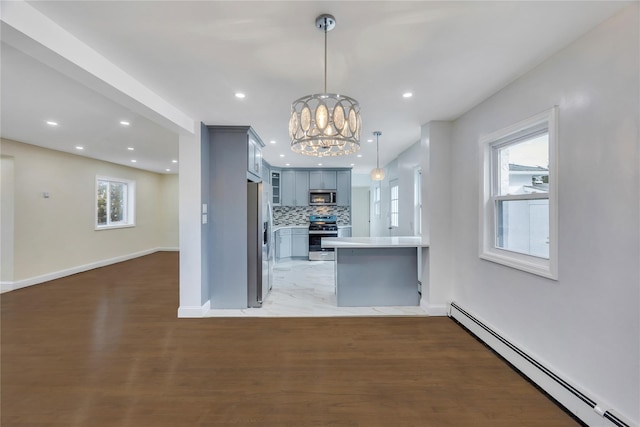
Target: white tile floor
306,289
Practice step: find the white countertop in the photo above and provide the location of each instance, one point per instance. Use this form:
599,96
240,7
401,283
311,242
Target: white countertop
278,227
374,242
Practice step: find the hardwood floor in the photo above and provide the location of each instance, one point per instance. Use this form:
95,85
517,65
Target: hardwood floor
104,348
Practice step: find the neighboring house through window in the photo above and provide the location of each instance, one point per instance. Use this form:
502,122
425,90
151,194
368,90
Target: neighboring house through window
115,203
518,206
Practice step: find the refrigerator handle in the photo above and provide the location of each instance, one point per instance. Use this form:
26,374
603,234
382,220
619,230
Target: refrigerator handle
265,233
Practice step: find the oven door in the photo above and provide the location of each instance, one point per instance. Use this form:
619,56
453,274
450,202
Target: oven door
316,251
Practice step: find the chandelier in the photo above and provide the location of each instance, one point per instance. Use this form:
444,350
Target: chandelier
325,124
377,174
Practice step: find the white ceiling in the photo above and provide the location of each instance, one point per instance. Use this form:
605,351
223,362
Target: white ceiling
196,55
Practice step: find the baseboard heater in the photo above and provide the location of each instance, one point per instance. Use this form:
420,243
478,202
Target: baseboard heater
463,317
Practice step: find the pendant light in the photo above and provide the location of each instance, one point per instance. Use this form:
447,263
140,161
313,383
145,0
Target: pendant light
377,174
325,124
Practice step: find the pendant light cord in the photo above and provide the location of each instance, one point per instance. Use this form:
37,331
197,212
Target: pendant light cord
377,152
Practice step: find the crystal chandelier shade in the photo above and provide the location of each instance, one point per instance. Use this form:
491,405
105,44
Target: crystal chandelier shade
325,124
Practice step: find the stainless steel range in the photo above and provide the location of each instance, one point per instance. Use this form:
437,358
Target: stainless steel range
321,226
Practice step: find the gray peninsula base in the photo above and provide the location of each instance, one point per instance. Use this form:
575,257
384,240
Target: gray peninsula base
371,277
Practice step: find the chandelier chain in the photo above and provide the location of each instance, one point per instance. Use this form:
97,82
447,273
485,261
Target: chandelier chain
325,54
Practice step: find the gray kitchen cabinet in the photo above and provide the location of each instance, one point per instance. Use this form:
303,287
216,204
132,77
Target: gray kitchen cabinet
226,168
322,180
344,231
343,196
275,187
287,188
283,243
300,242
294,189
302,188
254,158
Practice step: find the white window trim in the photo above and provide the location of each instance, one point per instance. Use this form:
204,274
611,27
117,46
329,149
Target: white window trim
417,201
543,267
394,183
377,195
131,197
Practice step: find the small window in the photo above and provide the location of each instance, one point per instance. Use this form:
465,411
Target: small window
115,201
394,208
518,208
376,201
417,201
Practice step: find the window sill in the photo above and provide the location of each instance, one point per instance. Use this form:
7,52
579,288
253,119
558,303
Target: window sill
530,264
111,227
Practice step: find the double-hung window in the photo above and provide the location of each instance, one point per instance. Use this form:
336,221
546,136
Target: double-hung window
376,200
394,210
518,208
115,203
417,201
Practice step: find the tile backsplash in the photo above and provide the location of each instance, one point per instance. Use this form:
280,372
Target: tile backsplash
299,215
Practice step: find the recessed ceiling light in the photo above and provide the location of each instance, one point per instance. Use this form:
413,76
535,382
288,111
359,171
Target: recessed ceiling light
124,123
133,161
240,95
130,148
287,164
168,170
272,141
174,161
319,164
79,147
52,123
359,155
281,155
369,140
353,164
407,95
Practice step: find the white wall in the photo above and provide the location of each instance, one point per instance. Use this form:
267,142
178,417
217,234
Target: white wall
7,191
586,325
360,211
401,168
169,213
437,204
57,234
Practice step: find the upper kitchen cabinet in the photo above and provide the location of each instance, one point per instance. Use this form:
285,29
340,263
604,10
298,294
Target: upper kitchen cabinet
294,188
275,187
254,156
322,180
266,172
343,196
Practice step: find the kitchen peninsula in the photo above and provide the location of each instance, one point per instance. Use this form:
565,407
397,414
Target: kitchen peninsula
377,271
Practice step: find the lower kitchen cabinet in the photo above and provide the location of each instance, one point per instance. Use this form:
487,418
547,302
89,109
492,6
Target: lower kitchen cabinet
292,242
283,243
300,242
344,231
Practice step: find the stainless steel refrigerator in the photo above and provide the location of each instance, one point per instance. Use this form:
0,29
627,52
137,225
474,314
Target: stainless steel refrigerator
259,243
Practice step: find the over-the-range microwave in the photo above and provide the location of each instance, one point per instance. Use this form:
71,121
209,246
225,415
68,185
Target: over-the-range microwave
322,197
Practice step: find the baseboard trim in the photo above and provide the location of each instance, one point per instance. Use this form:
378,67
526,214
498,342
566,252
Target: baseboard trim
194,311
434,309
585,408
19,284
